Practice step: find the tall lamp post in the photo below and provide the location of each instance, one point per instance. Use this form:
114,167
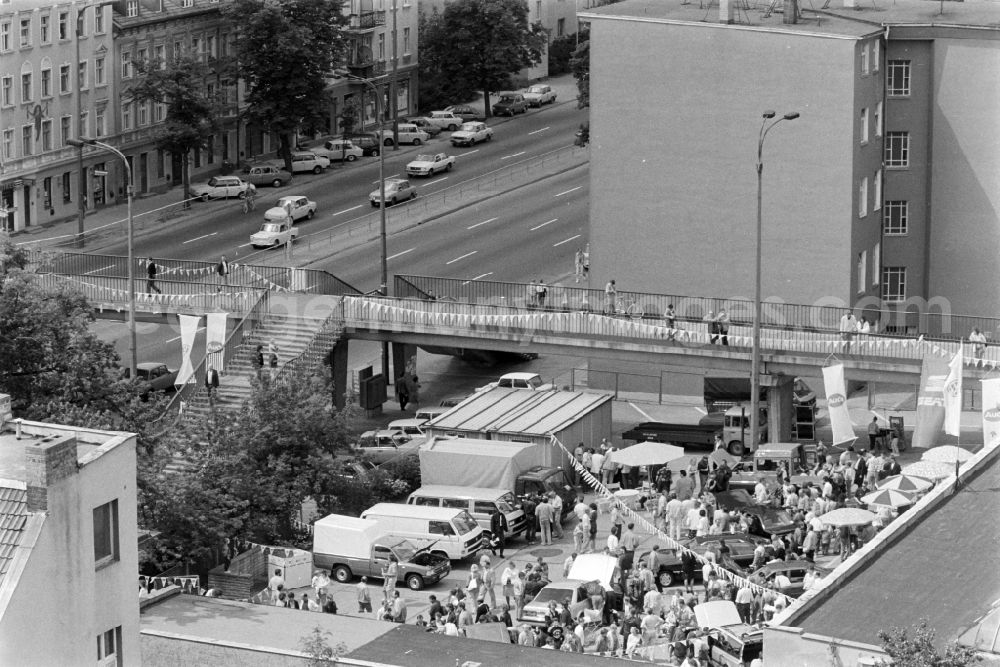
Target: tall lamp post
80,143
765,127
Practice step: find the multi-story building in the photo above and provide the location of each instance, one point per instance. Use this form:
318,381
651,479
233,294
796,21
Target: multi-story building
881,193
68,545
56,84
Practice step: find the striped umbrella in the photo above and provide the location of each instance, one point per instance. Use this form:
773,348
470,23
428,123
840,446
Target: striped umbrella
887,498
947,454
905,483
932,470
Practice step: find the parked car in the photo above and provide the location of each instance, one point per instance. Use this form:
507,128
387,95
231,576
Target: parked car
221,187
670,571
471,133
155,376
410,427
381,446
792,570
591,577
446,120
428,165
509,104
451,401
408,134
368,143
306,161
519,381
465,112
539,94
396,190
774,521
426,125
266,174
273,234
299,206
339,149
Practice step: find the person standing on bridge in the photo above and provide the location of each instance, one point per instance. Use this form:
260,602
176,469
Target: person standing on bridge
223,270
610,295
978,341
848,327
151,277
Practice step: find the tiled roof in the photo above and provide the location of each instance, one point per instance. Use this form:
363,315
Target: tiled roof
13,517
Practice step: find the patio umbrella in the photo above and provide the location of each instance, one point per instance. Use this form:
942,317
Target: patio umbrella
905,483
887,498
848,516
647,453
947,454
932,470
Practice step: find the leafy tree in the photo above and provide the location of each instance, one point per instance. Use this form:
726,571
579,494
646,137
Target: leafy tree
285,52
915,648
439,86
481,43
318,650
183,85
561,50
580,65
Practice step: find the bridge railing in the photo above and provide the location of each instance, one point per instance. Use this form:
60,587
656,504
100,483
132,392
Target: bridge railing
511,323
908,319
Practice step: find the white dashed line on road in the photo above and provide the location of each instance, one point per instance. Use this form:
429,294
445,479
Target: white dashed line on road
640,411
468,152
243,246
566,192
201,237
468,254
549,222
347,210
554,245
481,223
400,254
443,178
537,131
479,277
507,157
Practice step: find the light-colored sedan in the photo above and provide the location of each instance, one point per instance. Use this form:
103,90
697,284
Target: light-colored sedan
273,234
428,165
298,206
221,187
446,120
471,133
396,190
339,149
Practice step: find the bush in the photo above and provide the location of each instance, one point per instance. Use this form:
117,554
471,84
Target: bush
560,51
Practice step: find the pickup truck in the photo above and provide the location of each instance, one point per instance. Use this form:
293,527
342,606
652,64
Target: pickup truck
733,425
351,547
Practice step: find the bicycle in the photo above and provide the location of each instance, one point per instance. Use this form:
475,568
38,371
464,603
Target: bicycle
249,202
629,307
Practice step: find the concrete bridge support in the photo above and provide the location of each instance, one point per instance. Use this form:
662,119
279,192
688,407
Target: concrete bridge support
338,369
780,410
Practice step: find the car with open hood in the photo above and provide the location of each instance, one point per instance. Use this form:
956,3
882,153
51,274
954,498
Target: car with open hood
591,577
731,642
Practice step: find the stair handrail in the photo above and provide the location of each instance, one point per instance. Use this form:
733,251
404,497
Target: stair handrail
304,359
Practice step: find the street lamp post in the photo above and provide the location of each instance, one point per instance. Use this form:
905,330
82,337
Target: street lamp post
80,143
755,359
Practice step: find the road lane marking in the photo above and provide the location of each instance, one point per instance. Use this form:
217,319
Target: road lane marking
640,411
544,223
566,241
468,254
400,254
701,410
203,328
244,245
201,237
479,277
390,176
569,191
480,223
443,178
507,157
468,152
100,269
537,131
348,210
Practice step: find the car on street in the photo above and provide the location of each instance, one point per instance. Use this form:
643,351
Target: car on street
273,234
221,187
301,208
539,94
339,149
266,174
471,134
532,381
792,570
408,133
428,165
590,578
773,520
306,161
385,445
509,104
669,567
411,427
155,376
368,143
396,190
465,112
424,124
446,120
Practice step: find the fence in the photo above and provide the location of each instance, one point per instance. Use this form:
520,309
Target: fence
903,320
314,353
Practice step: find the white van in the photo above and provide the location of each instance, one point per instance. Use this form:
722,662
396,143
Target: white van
454,532
478,502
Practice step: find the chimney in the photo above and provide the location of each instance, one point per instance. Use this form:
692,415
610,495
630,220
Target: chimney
790,13
47,461
726,10
5,410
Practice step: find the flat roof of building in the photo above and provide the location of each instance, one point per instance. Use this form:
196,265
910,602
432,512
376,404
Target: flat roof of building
940,569
525,411
836,20
12,461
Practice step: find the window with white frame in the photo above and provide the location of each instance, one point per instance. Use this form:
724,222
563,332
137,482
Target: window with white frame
560,27
83,129
46,82
45,28
877,182
142,109
863,197
65,129
406,40
26,87
81,23
25,34
26,143
876,55
100,123
67,187
897,149
864,126
100,78
196,47
210,46
81,75
160,55
126,65
5,28
99,20
126,115
877,120
187,3
897,76
381,46
864,58
141,56
106,533
109,648
893,283
131,8
895,217
159,112
8,144
47,134
876,263
862,271
64,87
7,91
63,25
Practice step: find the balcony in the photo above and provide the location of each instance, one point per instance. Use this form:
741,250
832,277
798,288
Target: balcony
365,21
366,69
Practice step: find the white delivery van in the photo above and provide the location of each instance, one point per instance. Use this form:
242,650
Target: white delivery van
479,502
454,532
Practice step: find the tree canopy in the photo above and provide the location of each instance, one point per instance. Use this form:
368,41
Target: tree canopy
579,64
479,44
285,52
914,647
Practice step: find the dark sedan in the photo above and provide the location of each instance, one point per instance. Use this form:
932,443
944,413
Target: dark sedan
741,548
772,520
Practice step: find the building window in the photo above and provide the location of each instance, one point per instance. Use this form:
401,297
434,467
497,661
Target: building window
47,192
894,283
210,46
897,149
160,55
143,111
81,75
876,262
560,27
864,59
63,25
99,76
67,187
877,120
44,29
5,36
862,271
100,125
7,91
178,49
895,217
106,533
126,115
898,78
126,65
25,32
160,156
64,79
142,56
26,147
187,3
159,112
81,23
877,200
406,40
131,8
109,648
876,55
196,47
47,135
83,129
26,87
46,83
65,129
99,20
8,144
381,46
863,198
864,126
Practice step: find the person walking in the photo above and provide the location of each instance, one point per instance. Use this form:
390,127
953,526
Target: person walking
363,596
592,535
212,383
543,512
258,361
390,573
272,362
507,578
223,270
151,277
529,506
402,391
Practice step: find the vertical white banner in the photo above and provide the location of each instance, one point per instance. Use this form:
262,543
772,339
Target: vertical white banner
953,395
215,338
991,412
836,397
189,327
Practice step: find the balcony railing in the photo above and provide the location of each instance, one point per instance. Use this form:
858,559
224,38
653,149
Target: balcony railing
366,20
367,69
